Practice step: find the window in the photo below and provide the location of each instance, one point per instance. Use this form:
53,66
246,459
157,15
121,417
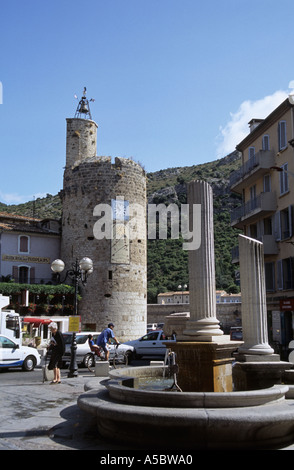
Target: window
284,185
253,230
282,130
286,222
251,152
267,226
251,158
150,337
12,323
23,244
285,274
6,343
23,275
253,192
266,183
269,276
265,142
253,201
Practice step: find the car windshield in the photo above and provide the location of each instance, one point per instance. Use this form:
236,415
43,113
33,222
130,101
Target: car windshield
150,337
67,339
80,339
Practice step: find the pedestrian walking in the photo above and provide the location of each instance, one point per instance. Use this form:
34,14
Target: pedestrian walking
57,349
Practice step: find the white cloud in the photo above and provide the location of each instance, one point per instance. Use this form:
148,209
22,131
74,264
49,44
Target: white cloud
237,128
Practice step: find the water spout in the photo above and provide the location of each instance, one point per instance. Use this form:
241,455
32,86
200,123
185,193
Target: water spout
172,368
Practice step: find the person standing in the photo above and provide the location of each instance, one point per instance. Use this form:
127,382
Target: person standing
104,338
57,349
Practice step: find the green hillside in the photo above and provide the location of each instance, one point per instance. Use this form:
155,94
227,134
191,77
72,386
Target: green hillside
167,261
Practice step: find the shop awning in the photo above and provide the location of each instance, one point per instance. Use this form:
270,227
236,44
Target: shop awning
37,320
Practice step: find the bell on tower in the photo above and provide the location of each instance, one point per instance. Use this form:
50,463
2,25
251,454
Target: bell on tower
83,109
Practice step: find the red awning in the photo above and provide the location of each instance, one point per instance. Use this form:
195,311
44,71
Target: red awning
37,321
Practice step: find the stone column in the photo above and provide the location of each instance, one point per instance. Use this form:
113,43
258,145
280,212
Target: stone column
203,324
254,312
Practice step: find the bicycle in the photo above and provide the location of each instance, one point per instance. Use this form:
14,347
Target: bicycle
92,356
120,359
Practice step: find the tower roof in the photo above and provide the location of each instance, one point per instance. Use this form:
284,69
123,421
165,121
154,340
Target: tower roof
83,108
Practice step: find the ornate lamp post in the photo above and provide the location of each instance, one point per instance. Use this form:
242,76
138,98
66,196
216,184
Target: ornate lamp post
184,287
79,273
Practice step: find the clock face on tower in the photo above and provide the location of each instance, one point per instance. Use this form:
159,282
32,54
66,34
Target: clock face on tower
120,245
120,209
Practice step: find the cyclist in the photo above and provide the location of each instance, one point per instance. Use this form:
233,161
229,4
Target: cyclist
104,338
94,348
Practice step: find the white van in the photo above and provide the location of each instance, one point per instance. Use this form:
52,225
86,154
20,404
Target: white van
15,355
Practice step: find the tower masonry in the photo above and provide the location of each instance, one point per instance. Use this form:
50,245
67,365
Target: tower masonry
94,187
81,140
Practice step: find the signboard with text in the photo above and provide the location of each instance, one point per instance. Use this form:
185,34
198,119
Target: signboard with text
74,323
286,304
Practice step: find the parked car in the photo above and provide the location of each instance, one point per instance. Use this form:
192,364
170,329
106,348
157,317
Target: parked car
83,348
236,333
151,344
15,355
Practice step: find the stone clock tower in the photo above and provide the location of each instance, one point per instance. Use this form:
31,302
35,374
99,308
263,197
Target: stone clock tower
104,218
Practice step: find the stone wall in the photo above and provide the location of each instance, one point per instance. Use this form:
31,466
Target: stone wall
229,314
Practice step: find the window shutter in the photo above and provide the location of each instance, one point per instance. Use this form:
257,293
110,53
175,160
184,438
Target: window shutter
291,272
280,274
32,276
260,229
15,273
23,244
290,210
282,135
277,226
265,142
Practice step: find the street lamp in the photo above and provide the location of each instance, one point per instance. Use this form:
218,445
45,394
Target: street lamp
79,273
184,287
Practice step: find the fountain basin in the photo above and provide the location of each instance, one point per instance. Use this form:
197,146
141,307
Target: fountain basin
188,420
126,394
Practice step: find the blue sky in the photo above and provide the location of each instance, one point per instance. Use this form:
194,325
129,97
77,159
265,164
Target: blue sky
175,82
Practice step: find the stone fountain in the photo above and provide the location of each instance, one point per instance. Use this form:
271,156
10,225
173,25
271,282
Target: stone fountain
210,411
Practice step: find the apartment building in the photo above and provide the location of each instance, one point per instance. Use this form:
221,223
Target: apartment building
265,182
27,248
179,297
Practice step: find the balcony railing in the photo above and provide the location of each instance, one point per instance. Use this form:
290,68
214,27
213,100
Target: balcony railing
264,202
262,160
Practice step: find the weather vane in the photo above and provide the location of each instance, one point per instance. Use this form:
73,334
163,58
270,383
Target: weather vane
83,109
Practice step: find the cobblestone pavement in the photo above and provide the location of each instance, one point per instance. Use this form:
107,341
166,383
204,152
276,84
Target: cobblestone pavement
42,416
37,415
